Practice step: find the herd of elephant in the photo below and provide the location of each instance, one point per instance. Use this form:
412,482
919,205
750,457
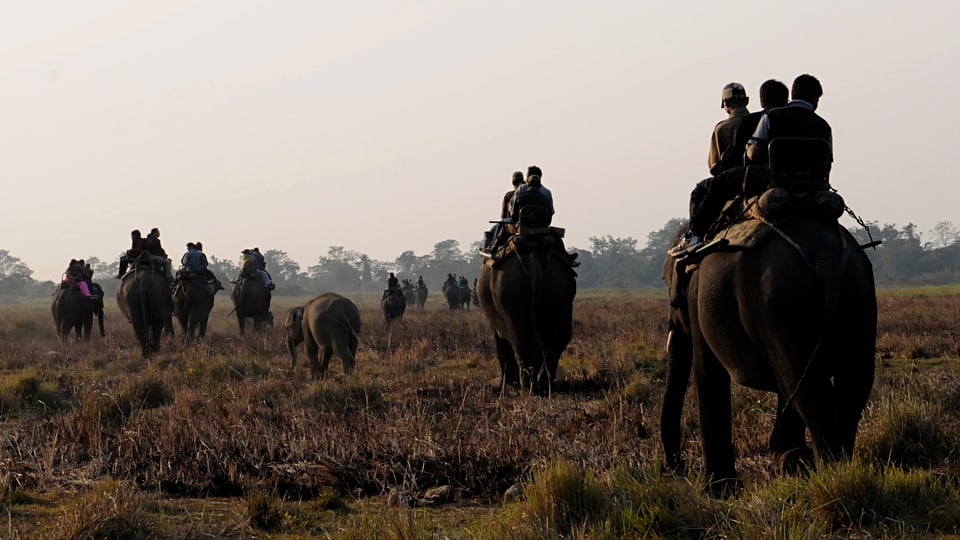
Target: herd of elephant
790,310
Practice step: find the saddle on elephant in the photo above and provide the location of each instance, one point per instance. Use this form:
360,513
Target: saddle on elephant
533,225
751,218
206,279
547,238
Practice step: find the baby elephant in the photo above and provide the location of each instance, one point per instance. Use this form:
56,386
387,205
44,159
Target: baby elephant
330,323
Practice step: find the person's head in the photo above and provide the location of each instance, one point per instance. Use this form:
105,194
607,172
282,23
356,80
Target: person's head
773,93
191,246
256,250
391,274
733,95
135,234
155,232
517,178
807,88
533,181
533,170
199,245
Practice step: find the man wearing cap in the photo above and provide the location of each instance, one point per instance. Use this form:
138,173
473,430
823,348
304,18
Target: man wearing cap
490,237
733,99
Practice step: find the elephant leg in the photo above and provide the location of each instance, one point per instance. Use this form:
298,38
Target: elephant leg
158,330
529,352
713,402
202,328
240,322
509,368
788,441
87,327
679,362
313,354
347,351
325,359
851,387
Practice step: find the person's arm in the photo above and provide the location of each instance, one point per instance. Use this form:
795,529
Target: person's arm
713,156
757,144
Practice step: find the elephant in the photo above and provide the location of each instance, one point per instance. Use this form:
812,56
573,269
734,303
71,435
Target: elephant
73,311
251,299
393,304
421,291
527,296
328,323
144,299
791,309
409,293
474,299
193,300
452,294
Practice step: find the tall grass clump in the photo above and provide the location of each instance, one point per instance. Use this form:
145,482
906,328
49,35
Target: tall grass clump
27,390
563,498
649,503
111,510
853,497
909,432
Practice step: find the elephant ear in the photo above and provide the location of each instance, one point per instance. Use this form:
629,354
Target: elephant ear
294,318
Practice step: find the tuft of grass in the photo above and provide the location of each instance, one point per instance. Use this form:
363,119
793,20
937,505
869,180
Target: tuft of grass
563,497
910,432
27,390
852,497
111,510
649,503
265,511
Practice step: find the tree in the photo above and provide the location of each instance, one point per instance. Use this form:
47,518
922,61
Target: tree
223,267
12,267
943,234
447,250
282,268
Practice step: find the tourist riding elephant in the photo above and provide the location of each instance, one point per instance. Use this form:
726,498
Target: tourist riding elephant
192,302
74,311
409,294
144,299
421,291
393,304
452,294
251,299
527,295
328,323
788,308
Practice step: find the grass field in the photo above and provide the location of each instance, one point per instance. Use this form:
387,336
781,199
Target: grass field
225,440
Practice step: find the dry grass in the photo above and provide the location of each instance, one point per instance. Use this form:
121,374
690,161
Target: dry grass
224,440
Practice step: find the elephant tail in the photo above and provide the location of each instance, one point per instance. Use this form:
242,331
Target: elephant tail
828,268
535,270
347,350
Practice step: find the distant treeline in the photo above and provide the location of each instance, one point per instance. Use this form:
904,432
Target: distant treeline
904,258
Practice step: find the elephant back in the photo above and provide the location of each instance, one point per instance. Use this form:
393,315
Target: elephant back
250,297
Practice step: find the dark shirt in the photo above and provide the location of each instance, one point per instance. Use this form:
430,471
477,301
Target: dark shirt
194,260
532,196
261,263
505,207
136,248
797,119
393,283
152,245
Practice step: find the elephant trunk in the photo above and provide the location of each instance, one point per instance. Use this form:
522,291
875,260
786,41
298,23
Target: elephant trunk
292,347
540,368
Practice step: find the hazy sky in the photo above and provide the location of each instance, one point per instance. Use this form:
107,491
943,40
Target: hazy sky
382,126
